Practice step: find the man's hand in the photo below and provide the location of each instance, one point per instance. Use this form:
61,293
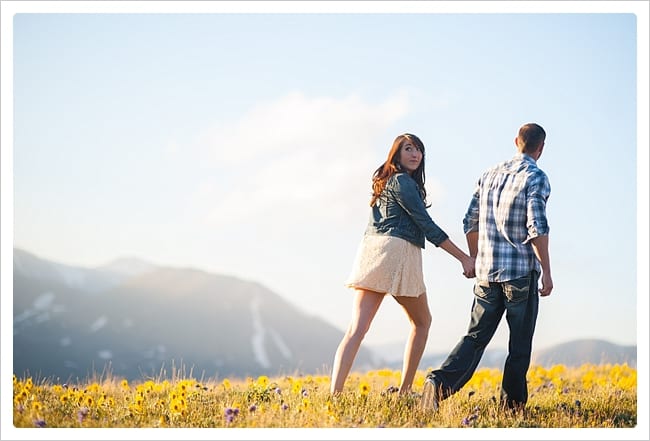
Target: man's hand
469,267
547,285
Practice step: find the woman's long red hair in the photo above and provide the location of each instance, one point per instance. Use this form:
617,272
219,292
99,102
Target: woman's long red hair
391,166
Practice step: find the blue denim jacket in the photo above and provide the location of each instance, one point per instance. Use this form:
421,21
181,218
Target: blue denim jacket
399,211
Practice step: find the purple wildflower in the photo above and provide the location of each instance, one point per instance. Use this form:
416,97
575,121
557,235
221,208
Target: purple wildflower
39,423
82,413
253,408
468,420
390,390
304,392
278,391
285,406
230,413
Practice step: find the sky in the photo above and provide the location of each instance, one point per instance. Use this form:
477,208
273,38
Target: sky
243,144
241,138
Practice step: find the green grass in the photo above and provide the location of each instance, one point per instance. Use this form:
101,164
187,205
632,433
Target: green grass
590,396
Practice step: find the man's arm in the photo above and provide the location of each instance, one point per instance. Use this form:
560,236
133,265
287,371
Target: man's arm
472,243
540,247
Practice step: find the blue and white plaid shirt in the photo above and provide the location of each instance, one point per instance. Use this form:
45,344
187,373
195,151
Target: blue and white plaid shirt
508,209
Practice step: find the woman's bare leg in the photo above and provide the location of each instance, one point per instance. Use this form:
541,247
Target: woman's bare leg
366,304
417,309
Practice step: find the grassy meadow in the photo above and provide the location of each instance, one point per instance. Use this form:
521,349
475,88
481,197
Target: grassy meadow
589,396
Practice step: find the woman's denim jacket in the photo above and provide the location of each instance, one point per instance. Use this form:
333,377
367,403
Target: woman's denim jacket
399,211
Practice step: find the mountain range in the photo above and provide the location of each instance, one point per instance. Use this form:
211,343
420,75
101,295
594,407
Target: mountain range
572,353
136,320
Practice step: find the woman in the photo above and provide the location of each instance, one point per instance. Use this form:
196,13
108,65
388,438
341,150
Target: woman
389,259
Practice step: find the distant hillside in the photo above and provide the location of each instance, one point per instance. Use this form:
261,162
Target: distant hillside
578,352
492,358
573,353
142,321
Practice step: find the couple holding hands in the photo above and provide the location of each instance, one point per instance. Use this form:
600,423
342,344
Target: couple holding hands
507,237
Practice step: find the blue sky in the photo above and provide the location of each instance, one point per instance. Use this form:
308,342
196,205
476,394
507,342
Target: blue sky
242,142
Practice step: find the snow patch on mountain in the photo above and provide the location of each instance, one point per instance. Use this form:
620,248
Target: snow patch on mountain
259,351
280,343
99,323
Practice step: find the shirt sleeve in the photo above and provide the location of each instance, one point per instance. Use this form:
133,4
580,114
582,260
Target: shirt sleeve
470,221
537,193
408,196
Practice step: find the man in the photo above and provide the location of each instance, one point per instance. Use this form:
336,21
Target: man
507,231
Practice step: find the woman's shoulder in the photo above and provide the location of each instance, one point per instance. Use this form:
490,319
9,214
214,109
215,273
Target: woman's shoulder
402,184
402,178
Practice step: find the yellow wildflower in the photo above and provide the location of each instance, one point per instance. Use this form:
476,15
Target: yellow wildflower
364,388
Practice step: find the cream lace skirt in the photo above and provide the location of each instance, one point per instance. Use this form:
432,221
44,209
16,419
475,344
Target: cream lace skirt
389,265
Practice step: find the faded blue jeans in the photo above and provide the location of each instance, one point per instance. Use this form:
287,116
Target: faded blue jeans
519,300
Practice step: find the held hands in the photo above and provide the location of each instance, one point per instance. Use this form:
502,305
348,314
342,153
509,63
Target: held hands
547,285
466,260
469,266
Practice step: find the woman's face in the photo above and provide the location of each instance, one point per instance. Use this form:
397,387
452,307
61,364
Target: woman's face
410,157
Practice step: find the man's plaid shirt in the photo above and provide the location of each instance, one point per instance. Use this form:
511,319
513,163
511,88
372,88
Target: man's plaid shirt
508,209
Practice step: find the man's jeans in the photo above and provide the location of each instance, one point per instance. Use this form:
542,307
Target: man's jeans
519,299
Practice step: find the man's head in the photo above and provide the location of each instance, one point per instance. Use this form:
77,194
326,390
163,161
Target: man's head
530,139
